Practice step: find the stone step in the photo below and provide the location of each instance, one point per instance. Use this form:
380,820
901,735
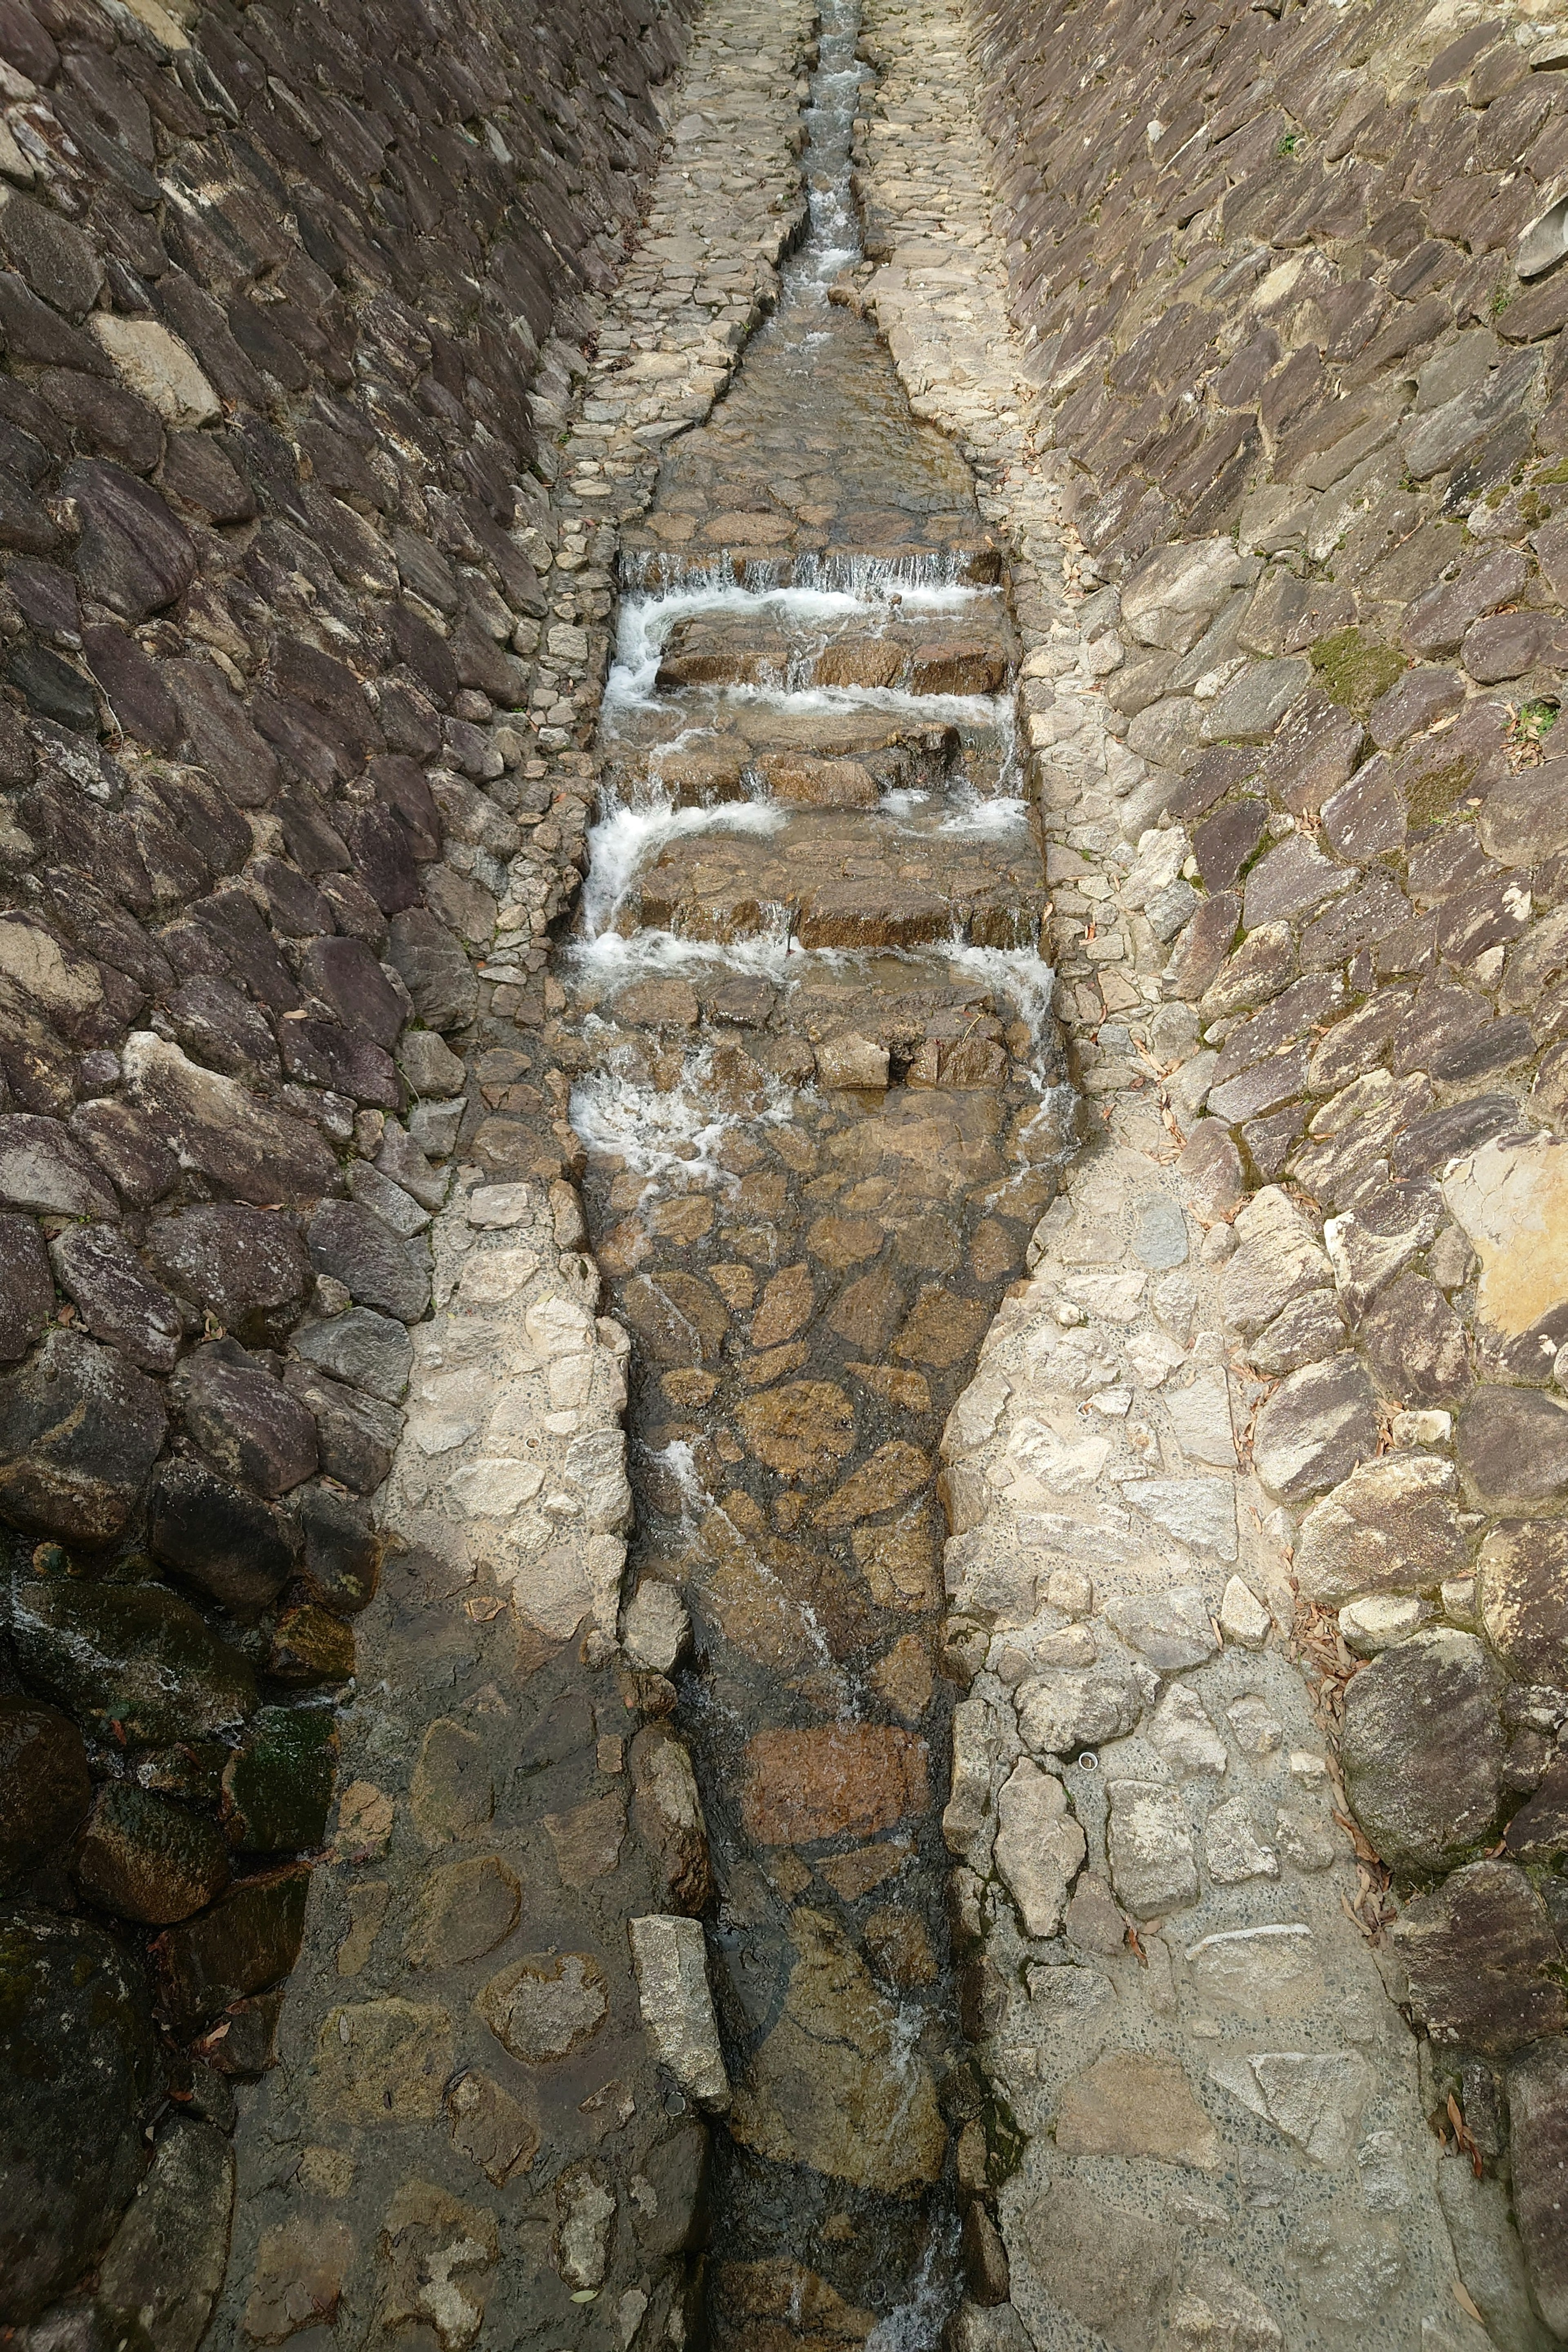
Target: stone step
844,880
701,747
876,1021
970,652
961,557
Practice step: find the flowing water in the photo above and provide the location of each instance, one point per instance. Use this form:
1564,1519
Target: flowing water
818,1092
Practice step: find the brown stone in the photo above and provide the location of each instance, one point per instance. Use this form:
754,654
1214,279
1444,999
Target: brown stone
899,1947
892,1474
838,1780
904,1677
841,1242
453,1793
300,2266
489,2127
820,784
786,1307
464,1911
431,2247
906,1392
588,1839
942,1329
801,1431
900,1561
824,2090
383,2062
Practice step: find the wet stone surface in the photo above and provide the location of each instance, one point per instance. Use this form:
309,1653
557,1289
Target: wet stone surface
815,1083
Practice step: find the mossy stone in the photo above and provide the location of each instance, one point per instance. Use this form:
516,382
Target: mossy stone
280,1783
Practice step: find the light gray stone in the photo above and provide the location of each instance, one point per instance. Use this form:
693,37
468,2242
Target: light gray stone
1040,1847
671,1961
1149,1844
1200,1512
1172,1630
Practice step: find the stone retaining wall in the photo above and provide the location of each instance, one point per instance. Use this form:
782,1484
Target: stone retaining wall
298,658
1255,1567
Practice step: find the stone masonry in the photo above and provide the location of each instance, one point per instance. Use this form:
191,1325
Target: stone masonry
1254,1571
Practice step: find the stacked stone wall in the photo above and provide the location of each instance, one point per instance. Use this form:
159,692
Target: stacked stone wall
298,664
1258,351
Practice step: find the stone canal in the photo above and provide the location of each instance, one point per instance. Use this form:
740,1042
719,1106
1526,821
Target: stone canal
817,1085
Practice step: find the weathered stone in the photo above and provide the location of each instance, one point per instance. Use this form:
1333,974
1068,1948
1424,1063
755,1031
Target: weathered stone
1279,1259
670,1957
667,1810
147,1859
1478,1950
1417,1344
26,1289
1040,1847
218,1125
352,1244
1310,1329
434,968
1257,1973
1233,1850
1513,1449
130,1655
79,2076
45,1789
132,555
245,1422
246,1941
1181,1730
1152,1866
98,1270
852,1777
546,2005
1173,1629
823,2089
1511,1199
464,1910
44,1169
1069,1708
356,1435
431,2248
1538,2109
655,1631
164,2265
1423,1751
1390,1527
1131,2104
300,2267
1539,1831
1169,598
1315,1427
1522,1591
219,1535
246,1267
1200,1512
1314,2100
277,1784
383,2062
1109,2264
1294,879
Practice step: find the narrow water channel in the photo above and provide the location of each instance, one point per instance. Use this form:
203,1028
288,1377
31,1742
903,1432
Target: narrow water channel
819,1094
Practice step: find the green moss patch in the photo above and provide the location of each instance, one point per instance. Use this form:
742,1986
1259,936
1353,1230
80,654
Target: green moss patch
1353,671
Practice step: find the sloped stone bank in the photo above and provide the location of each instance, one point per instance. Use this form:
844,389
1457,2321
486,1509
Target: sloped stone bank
1279,1396
295,670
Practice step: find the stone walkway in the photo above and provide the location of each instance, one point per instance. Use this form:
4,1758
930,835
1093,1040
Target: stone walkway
1212,2123
465,2137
